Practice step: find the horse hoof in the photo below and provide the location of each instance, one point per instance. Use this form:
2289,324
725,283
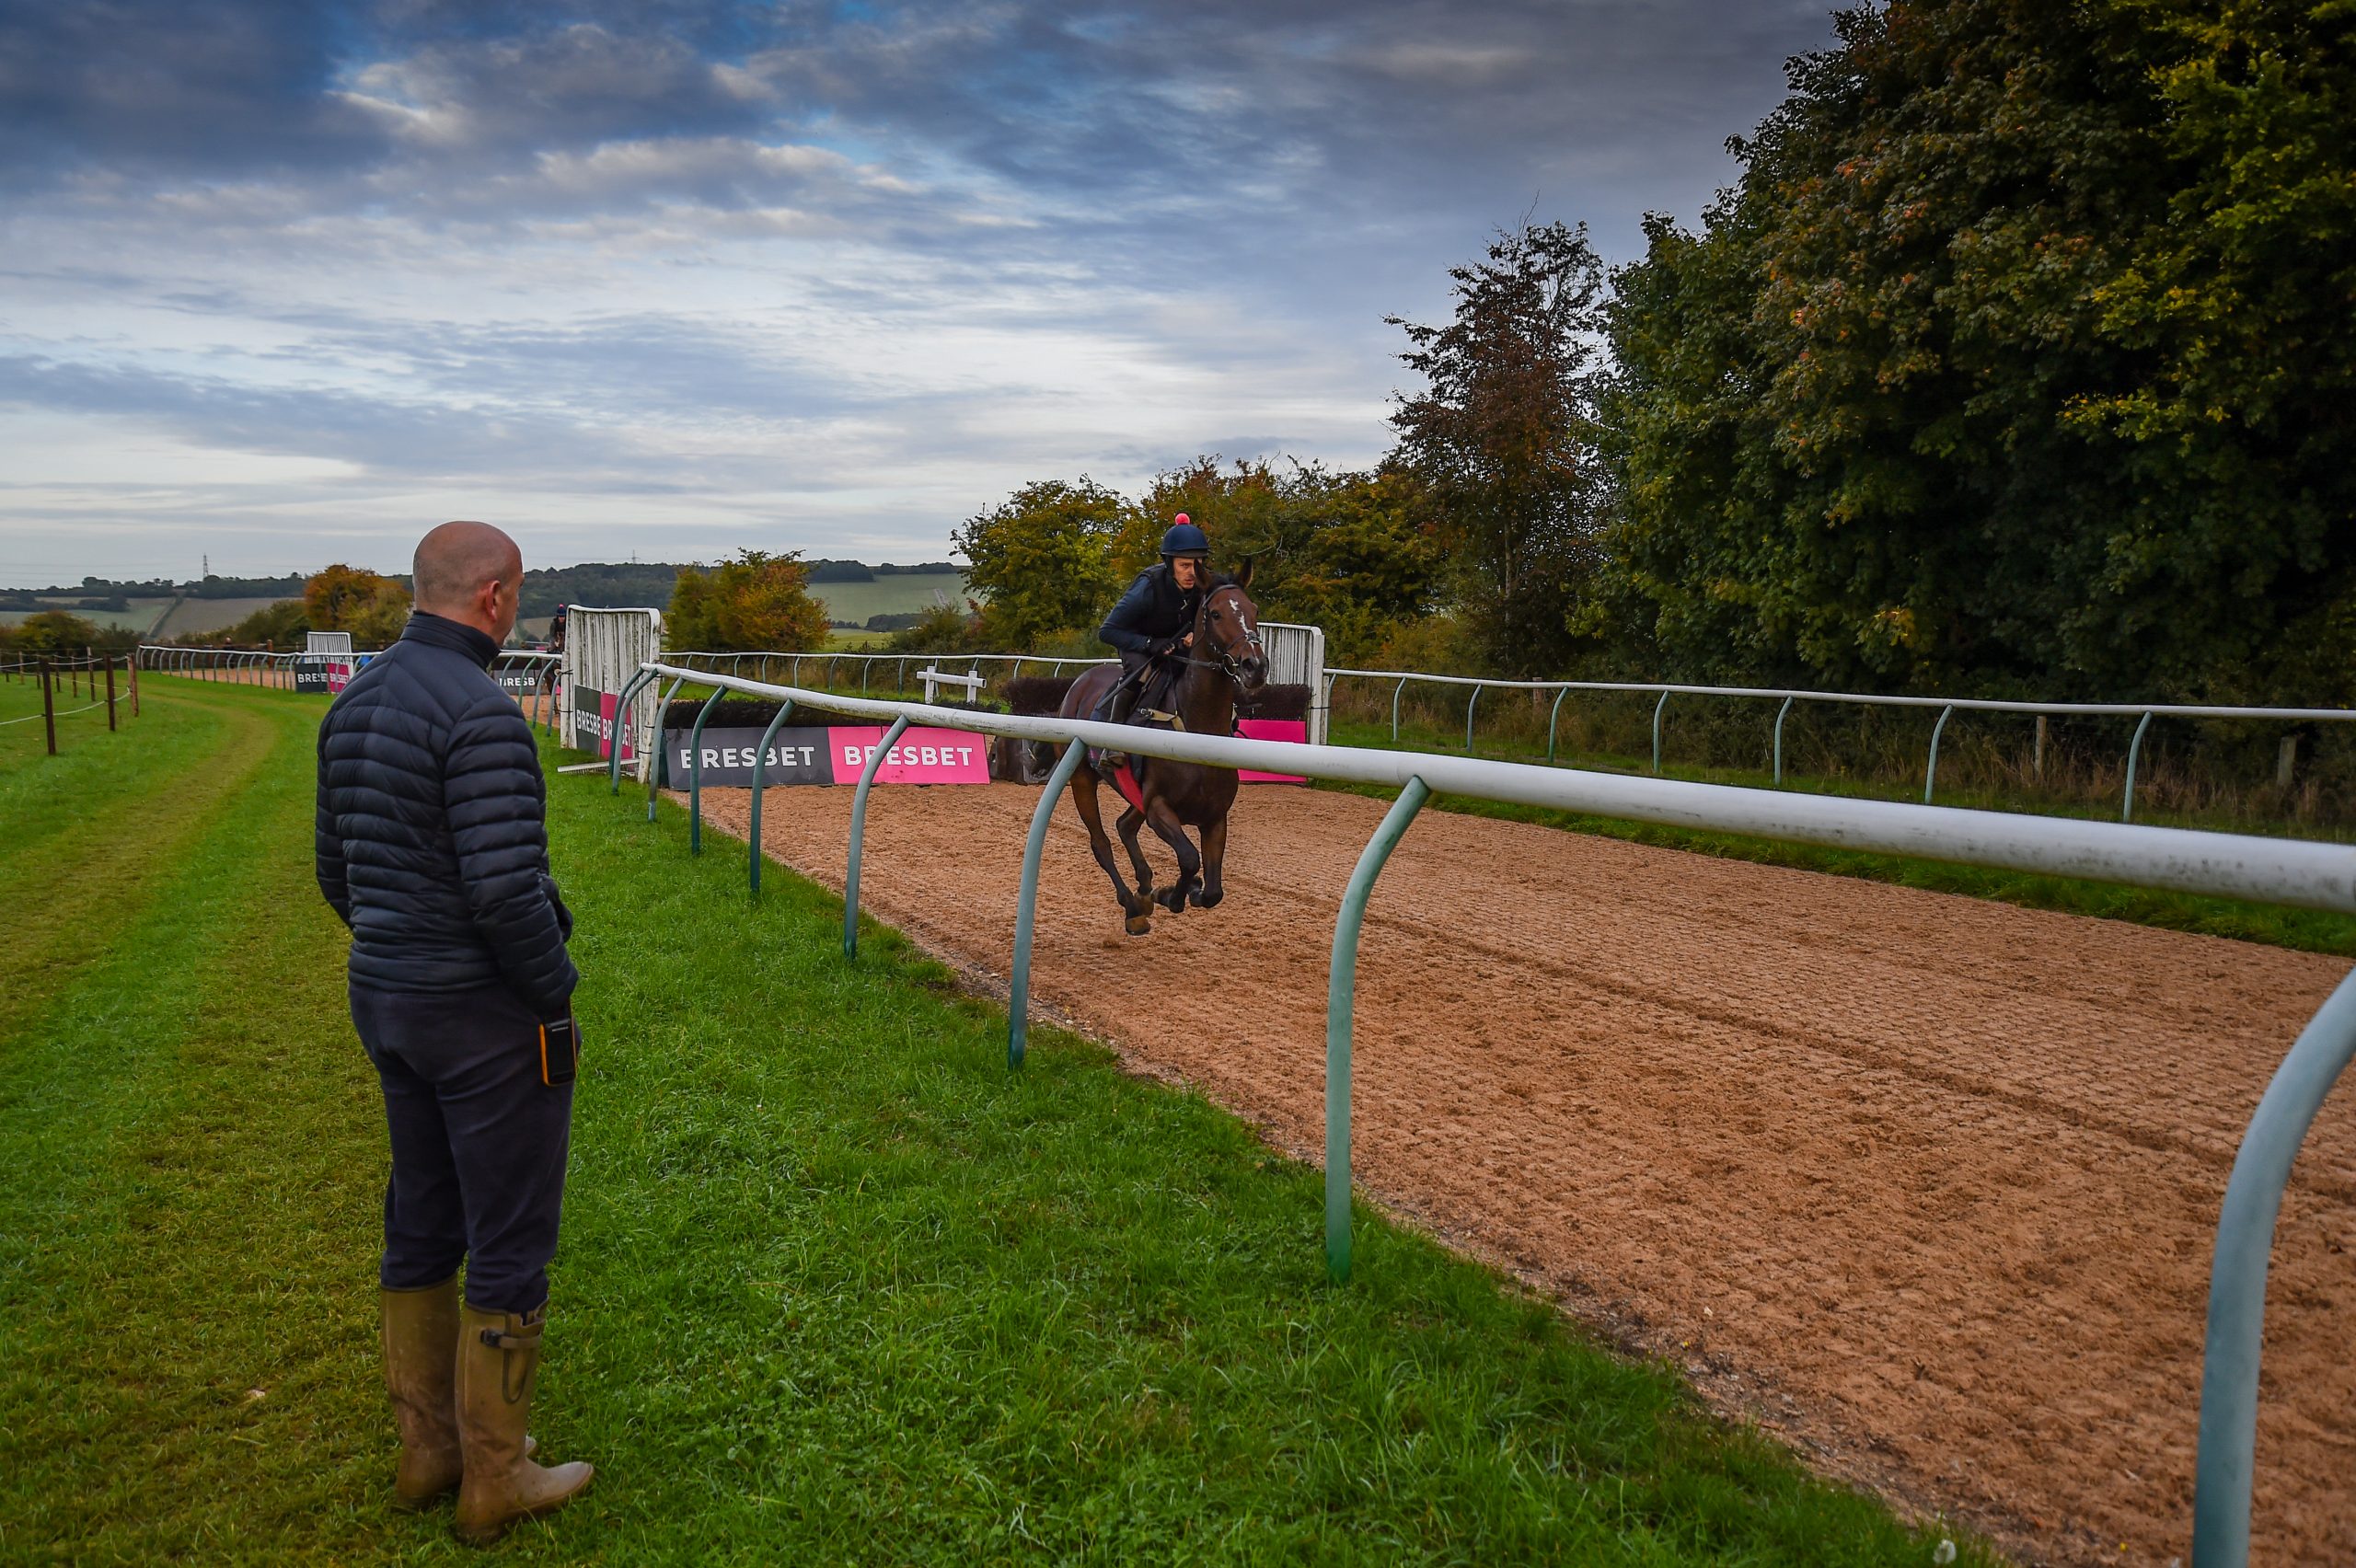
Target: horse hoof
1207,901
1138,925
1174,899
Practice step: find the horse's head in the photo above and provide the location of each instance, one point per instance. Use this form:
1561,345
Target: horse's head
1229,627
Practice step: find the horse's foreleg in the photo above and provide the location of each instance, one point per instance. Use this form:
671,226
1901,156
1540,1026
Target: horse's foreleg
1214,858
1131,821
1172,832
1137,911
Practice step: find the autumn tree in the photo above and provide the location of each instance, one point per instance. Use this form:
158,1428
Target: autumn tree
1504,439
2018,360
1042,560
54,633
1358,554
759,600
371,606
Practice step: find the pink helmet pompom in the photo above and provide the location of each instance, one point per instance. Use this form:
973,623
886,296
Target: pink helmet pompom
1182,519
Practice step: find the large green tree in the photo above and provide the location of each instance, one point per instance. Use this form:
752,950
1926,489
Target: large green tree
2019,356
1042,560
1505,440
760,600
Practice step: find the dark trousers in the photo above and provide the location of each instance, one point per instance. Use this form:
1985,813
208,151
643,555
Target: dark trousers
478,1142
1143,682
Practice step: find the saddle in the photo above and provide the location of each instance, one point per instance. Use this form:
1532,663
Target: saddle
1153,688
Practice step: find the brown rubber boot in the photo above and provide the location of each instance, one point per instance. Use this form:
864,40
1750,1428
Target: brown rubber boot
499,1359
421,1374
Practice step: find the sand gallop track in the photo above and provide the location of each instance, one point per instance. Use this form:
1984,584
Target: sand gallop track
1926,1185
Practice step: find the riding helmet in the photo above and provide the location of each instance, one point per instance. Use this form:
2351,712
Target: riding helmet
1184,539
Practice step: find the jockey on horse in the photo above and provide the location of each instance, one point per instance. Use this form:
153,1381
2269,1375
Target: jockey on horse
1153,626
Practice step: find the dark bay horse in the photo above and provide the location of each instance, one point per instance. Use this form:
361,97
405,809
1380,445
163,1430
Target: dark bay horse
1225,662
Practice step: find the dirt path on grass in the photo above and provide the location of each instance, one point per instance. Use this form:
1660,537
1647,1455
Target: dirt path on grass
1925,1184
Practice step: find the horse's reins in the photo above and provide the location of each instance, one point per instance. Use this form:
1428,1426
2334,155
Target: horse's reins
1226,663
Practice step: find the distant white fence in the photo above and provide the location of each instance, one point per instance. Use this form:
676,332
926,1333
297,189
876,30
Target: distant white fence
2143,712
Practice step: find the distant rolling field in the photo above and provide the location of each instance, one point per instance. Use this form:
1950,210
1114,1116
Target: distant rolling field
907,595
209,614
138,618
855,602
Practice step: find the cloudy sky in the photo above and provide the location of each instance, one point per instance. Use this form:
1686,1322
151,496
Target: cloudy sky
283,283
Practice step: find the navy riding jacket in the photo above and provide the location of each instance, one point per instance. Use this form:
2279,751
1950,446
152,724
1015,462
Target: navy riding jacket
1154,610
432,834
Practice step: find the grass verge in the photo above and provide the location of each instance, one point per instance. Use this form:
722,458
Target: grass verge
834,1286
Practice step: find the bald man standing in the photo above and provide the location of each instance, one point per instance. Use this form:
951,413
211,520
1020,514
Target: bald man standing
433,847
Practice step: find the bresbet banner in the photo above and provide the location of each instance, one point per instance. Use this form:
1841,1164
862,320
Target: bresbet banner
835,753
592,724
319,672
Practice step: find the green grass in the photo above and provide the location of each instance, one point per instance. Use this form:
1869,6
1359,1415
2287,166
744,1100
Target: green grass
2310,930
835,1285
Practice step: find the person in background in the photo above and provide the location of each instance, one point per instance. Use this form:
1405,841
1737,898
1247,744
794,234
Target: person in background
432,845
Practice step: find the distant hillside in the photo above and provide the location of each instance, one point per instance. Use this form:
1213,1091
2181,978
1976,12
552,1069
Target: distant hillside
854,592
598,582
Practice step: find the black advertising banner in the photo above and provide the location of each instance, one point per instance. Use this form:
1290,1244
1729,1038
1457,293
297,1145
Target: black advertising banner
325,672
796,757
592,723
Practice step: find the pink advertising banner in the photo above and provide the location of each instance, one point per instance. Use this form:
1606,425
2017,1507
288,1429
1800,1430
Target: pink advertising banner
1294,730
920,757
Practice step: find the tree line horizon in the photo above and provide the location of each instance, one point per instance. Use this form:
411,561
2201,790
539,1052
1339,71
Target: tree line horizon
2019,361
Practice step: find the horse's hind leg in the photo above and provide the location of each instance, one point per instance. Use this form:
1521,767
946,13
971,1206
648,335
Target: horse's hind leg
1172,832
1214,858
1137,911
1132,819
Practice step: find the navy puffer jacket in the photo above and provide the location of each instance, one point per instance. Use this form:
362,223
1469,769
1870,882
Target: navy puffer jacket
433,825
1154,610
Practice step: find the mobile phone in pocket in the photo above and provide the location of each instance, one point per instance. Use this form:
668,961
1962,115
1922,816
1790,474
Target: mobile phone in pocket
560,1051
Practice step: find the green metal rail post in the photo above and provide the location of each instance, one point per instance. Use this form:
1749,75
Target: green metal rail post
2224,1463
1931,772
694,771
1656,712
621,720
1779,739
654,764
1397,692
859,834
760,763
1470,703
1552,716
2127,808
1026,903
1341,993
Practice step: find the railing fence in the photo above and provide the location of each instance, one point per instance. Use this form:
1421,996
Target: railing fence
1945,707
2294,871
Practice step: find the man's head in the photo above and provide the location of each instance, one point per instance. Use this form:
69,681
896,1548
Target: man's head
472,573
1187,549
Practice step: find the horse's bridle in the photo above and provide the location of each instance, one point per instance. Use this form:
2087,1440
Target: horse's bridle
1227,663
